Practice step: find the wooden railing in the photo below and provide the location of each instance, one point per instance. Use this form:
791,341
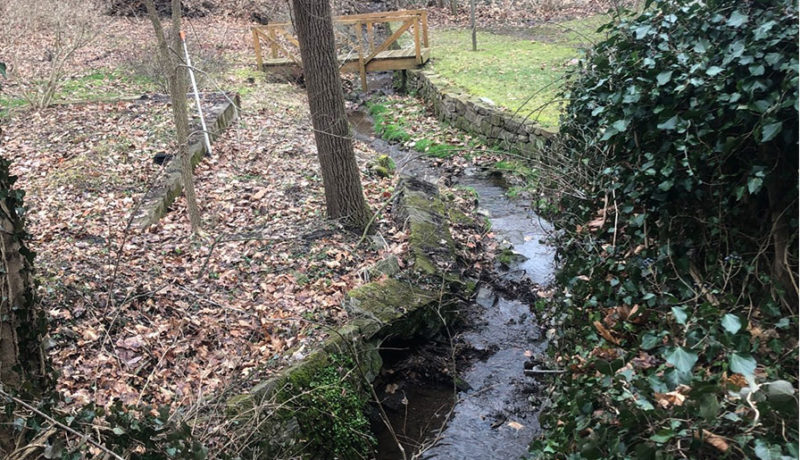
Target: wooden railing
356,37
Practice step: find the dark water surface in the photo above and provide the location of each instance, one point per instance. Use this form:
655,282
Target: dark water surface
492,416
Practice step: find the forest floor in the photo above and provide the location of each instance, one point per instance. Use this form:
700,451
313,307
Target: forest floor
155,315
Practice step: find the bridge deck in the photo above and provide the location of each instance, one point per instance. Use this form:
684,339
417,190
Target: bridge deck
385,60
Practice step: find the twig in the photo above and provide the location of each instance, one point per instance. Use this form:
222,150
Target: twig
61,425
544,371
375,215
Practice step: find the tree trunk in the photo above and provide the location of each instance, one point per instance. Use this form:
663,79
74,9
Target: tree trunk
172,65
22,325
344,197
472,25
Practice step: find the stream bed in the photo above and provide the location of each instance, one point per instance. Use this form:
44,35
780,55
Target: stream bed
486,411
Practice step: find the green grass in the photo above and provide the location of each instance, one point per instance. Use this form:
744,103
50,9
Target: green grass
522,70
102,84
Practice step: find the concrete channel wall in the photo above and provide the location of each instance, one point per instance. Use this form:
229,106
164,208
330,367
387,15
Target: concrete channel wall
157,200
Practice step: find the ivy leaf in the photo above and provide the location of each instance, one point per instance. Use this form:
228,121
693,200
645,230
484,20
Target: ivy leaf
649,341
664,77
731,323
714,70
737,19
682,359
668,125
756,70
768,132
766,451
754,184
743,364
662,436
680,315
620,125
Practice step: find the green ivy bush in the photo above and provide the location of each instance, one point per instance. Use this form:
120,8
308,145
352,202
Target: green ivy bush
679,238
329,407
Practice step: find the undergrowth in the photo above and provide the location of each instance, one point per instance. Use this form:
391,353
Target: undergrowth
329,408
679,237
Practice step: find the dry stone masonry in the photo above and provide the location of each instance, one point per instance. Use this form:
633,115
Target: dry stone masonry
477,115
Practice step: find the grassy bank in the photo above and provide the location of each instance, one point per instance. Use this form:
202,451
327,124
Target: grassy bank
518,69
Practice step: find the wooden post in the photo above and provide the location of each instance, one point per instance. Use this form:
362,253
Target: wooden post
472,23
362,66
425,28
371,36
416,41
273,43
257,46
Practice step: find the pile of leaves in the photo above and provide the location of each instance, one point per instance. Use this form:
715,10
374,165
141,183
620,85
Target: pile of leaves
679,279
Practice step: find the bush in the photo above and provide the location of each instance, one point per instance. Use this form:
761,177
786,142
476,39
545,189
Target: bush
70,25
679,242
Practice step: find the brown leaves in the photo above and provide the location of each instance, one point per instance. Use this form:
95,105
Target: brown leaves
716,441
605,333
672,398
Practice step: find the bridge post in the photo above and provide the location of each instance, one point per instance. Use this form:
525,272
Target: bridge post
257,46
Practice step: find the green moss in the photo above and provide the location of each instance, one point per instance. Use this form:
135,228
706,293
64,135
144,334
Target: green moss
328,406
458,217
386,162
389,299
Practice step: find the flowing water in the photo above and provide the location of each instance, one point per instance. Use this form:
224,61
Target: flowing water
490,412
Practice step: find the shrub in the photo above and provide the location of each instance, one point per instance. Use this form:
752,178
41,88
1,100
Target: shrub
680,240
70,25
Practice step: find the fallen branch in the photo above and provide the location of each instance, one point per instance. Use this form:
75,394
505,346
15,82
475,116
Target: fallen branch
61,425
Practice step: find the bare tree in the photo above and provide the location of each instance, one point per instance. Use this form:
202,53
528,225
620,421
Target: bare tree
66,27
175,71
344,196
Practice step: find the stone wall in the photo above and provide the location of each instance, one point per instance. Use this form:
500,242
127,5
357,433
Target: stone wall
477,115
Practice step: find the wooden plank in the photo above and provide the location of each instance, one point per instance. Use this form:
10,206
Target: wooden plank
390,40
273,43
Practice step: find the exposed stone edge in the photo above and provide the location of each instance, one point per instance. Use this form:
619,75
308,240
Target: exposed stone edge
381,309
160,197
477,115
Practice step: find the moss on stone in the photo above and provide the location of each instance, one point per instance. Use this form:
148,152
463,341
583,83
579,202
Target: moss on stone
458,217
389,299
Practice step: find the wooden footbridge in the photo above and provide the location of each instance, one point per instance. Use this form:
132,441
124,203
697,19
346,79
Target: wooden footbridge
356,43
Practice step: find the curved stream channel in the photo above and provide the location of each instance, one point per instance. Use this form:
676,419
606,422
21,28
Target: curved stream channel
487,414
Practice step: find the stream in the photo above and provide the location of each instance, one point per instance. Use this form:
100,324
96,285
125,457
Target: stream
487,413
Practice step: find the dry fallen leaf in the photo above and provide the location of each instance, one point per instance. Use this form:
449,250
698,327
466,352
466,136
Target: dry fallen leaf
605,333
713,440
515,425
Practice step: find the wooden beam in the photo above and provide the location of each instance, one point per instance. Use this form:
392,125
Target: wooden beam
393,38
273,43
257,46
